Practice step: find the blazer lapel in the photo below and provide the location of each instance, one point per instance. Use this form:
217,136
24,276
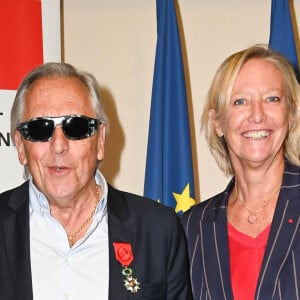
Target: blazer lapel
15,227
282,234
118,231
214,239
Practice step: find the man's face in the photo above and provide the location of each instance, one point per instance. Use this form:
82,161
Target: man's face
61,168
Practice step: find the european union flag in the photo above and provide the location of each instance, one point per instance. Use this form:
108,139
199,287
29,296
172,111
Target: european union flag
169,169
282,37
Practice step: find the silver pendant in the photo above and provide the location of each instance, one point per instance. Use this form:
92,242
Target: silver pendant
132,284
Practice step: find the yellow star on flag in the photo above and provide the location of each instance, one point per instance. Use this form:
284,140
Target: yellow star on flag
184,200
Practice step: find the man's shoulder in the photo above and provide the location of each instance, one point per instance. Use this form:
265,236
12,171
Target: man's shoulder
6,195
141,206
14,194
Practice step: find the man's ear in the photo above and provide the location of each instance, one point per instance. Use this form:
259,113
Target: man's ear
101,142
215,122
19,142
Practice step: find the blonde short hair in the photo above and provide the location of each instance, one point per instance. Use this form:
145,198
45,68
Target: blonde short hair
219,95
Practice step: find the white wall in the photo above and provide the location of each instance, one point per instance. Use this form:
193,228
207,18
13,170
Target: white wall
116,39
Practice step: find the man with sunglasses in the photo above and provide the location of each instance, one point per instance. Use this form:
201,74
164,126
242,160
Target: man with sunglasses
65,233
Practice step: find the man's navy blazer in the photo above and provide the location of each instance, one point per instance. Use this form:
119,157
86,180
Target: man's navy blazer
206,229
154,231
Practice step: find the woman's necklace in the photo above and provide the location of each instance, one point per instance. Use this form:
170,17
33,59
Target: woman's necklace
253,216
71,237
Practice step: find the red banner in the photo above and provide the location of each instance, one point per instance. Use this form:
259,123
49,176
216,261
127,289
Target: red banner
21,40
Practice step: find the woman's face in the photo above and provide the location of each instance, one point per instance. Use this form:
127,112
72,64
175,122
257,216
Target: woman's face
257,120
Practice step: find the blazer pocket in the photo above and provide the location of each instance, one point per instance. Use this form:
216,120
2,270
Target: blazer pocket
150,291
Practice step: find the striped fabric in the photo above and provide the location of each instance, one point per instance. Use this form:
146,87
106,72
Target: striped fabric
206,228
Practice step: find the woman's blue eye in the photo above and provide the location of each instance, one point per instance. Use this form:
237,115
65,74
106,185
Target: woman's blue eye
273,99
239,102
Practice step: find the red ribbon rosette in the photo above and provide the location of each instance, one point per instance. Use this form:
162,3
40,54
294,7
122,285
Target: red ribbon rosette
123,253
124,256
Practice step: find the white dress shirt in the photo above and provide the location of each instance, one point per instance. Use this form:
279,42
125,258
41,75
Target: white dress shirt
61,273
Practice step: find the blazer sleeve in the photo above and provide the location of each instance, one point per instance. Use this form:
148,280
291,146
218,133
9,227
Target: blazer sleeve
179,286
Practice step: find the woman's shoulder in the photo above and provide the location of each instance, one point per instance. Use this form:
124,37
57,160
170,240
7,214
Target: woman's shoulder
206,207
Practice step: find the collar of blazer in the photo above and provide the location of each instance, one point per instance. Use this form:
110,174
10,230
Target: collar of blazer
285,227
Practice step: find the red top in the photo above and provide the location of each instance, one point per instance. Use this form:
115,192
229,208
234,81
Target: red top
246,255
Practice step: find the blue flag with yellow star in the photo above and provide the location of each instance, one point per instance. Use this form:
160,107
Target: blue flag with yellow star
282,36
169,168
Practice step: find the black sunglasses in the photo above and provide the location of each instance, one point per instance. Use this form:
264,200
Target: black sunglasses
75,127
